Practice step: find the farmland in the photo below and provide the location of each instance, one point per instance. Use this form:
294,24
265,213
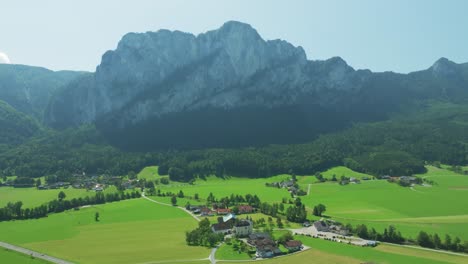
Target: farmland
376,203
7,256
329,252
140,231
128,232
32,197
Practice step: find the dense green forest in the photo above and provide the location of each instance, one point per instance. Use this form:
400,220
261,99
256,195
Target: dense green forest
15,126
400,146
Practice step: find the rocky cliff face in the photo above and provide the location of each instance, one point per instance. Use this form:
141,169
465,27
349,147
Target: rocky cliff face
155,73
232,84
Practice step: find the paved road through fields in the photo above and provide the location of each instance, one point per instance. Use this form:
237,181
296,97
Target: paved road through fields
33,253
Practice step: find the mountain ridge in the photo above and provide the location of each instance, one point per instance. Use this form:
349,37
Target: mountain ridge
154,81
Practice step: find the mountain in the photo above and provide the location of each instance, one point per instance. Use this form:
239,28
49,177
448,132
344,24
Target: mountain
229,87
16,126
28,89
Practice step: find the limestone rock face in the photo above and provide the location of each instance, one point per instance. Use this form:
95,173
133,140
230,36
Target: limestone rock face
155,73
230,87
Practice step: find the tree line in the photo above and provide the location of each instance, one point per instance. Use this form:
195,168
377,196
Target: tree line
15,211
392,235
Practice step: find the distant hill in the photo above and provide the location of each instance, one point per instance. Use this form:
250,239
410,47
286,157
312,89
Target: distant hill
230,88
28,89
16,127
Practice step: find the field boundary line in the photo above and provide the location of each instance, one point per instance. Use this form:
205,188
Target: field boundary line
179,207
427,249
34,254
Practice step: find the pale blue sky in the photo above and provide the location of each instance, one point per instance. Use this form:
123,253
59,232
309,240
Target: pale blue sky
396,35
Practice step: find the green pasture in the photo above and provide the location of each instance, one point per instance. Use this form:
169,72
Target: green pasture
442,208
343,171
32,197
322,251
130,231
150,173
8,256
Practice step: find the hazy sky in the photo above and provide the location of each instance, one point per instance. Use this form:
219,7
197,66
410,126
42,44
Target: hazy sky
402,36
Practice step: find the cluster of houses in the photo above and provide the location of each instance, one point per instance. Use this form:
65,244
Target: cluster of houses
402,180
264,245
91,182
290,185
353,180
219,209
56,185
230,225
330,226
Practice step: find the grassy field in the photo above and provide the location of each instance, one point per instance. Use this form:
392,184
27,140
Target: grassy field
442,208
227,252
131,231
322,251
150,173
7,256
33,197
231,185
344,171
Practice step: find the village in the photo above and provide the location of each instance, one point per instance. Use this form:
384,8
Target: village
232,226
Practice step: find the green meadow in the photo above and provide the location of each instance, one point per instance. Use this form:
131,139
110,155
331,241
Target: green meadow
441,208
7,256
32,197
222,187
322,251
130,231
139,231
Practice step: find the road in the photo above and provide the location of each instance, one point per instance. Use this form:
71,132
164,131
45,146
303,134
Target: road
212,255
33,253
180,207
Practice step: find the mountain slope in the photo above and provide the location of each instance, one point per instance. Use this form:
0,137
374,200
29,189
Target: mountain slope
28,89
16,127
229,87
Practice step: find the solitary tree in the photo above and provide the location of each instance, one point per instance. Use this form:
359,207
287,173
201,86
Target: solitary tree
61,195
96,217
174,200
319,210
281,207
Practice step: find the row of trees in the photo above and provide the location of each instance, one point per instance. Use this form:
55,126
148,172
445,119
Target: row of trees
390,234
14,211
434,241
423,239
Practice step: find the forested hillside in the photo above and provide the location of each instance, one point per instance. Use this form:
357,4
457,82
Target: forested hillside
400,146
15,127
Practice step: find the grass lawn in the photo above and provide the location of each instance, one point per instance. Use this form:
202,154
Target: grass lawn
131,231
442,208
32,197
8,256
150,173
381,253
332,252
227,252
343,171
231,185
